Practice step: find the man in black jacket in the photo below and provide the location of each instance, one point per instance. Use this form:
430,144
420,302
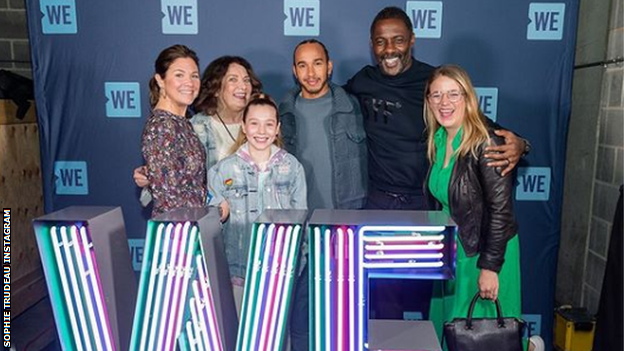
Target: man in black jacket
391,96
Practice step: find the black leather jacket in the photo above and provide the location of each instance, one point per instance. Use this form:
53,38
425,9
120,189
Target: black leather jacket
481,204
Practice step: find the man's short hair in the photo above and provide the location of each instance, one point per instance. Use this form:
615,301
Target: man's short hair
310,41
392,12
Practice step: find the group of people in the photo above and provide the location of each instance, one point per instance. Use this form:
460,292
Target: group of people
400,135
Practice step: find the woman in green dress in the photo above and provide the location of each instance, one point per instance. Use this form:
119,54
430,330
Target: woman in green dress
476,196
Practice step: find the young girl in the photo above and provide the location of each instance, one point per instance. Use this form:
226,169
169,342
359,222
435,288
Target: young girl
258,175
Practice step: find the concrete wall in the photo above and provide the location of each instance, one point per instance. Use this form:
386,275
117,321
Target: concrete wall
14,46
594,157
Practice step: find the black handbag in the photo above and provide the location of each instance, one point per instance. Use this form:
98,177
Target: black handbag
484,334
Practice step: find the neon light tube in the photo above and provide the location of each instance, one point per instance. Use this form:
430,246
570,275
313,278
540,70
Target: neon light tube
82,274
291,262
429,247
317,288
279,297
65,285
171,272
204,283
400,238
258,307
191,336
404,265
178,280
195,319
150,286
95,283
187,271
362,315
162,271
328,296
352,302
255,265
400,228
269,301
382,256
75,288
341,280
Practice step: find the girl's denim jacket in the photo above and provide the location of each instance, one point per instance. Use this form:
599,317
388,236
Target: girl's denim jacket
235,180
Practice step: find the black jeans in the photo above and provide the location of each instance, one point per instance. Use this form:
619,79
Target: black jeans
391,298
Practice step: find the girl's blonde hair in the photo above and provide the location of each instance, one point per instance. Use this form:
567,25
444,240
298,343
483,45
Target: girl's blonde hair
474,125
257,100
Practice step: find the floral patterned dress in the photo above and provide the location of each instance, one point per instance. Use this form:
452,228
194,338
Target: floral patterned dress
176,162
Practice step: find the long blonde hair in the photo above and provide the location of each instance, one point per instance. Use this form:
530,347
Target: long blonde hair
257,100
474,125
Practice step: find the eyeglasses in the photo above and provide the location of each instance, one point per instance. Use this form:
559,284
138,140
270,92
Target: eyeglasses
452,95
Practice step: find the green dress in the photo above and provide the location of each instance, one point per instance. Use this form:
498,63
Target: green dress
452,298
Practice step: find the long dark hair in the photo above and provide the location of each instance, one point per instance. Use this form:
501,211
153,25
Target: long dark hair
164,60
207,100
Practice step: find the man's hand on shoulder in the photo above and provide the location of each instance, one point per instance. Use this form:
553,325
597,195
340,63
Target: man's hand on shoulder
507,155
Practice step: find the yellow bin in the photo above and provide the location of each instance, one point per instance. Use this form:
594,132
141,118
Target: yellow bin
574,329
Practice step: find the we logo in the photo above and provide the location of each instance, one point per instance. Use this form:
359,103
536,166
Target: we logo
303,17
546,21
59,16
179,16
123,99
426,17
533,184
71,178
488,101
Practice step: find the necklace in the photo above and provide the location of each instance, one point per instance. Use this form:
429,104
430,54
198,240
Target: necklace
225,126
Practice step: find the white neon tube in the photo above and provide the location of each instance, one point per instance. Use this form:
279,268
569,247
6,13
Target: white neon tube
341,280
188,259
427,247
191,336
402,238
99,301
195,319
361,303
199,306
384,256
171,273
206,295
404,265
82,274
178,276
263,276
273,341
255,265
273,278
288,280
402,228
65,285
317,288
162,271
328,282
352,302
84,325
150,285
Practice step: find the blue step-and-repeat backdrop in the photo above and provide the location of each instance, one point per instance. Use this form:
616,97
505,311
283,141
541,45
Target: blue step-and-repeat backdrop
92,61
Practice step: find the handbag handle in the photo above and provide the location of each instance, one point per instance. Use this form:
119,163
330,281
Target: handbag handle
499,317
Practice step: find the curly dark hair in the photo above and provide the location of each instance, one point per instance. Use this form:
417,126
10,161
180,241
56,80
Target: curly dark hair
206,102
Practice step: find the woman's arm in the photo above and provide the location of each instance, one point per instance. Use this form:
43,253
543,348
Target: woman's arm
216,189
498,207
